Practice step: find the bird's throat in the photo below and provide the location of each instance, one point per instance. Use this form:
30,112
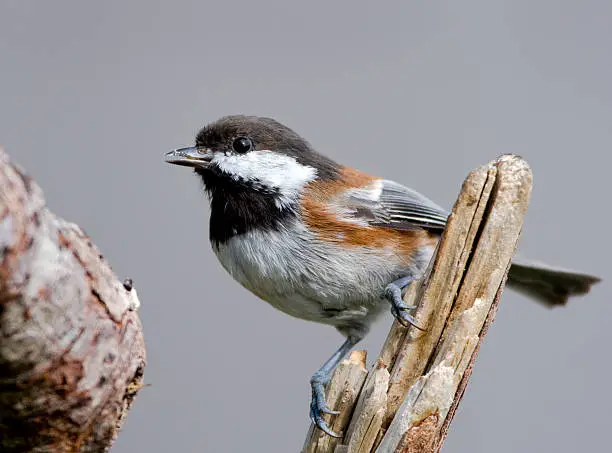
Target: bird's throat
237,209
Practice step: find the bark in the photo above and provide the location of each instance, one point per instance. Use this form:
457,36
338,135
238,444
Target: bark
71,346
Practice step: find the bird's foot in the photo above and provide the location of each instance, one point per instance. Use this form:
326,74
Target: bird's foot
399,308
318,405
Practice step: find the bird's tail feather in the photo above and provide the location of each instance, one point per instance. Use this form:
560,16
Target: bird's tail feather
548,285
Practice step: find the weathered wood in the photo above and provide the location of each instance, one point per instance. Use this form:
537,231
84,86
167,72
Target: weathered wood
369,412
457,299
437,291
71,347
342,393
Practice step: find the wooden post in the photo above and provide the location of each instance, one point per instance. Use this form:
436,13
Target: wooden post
71,347
408,401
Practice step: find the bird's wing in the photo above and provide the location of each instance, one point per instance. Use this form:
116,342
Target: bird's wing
391,205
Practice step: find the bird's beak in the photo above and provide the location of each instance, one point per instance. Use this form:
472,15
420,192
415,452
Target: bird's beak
190,157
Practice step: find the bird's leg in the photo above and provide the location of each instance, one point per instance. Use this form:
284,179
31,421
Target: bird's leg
393,293
318,404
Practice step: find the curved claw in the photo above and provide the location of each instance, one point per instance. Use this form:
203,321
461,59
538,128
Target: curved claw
318,420
393,293
405,319
327,410
318,407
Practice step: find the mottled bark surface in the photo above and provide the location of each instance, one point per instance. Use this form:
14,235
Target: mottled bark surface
71,347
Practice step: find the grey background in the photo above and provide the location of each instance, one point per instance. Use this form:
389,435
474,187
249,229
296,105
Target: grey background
93,93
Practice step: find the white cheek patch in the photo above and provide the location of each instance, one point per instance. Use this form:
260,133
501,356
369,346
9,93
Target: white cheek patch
269,170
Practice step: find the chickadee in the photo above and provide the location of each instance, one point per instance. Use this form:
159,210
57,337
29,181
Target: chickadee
321,241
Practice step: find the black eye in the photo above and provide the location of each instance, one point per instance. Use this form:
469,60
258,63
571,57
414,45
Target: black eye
242,145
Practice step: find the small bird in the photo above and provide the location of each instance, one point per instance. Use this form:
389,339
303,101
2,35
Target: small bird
321,241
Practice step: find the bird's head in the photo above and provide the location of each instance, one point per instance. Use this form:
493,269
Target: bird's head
253,154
